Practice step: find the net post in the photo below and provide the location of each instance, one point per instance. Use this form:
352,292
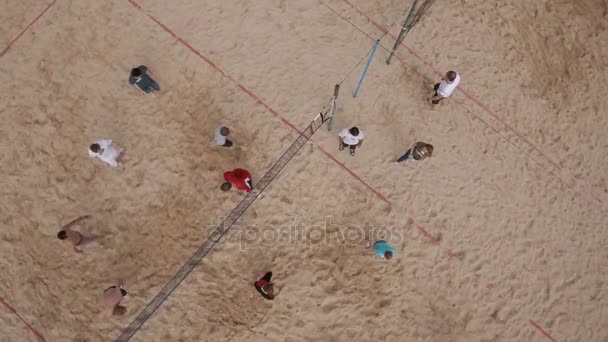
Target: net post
405,28
369,62
334,107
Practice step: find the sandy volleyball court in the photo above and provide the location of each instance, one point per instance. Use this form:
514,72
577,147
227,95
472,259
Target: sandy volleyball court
500,236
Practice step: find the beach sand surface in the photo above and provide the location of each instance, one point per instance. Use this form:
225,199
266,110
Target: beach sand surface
500,236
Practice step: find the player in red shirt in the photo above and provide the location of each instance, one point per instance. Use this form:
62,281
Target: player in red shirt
240,178
265,287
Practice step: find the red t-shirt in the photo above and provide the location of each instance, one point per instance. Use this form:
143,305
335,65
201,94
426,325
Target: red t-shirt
240,179
259,285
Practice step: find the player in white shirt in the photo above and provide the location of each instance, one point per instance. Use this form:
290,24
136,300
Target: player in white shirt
106,151
352,138
221,136
445,87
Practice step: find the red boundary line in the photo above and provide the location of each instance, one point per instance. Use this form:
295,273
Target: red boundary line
433,239
377,193
289,124
285,121
253,96
539,328
487,110
27,325
472,98
261,102
26,28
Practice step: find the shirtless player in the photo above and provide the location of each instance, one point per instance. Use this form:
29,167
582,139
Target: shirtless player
112,297
71,238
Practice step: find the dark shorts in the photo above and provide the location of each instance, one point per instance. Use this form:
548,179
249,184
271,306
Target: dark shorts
228,143
436,87
352,147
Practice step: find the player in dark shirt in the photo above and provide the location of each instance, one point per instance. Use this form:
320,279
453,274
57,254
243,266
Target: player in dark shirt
139,77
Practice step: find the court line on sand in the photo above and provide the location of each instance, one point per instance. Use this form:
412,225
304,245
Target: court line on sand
483,107
27,28
539,328
27,325
272,111
256,98
259,101
285,121
586,185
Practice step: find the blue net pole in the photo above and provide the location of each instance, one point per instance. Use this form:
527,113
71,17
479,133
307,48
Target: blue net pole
369,62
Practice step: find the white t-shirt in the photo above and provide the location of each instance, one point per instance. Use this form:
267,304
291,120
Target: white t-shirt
350,139
108,152
219,138
446,89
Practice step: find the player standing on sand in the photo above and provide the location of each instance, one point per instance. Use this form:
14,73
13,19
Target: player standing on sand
106,151
72,238
112,297
139,77
265,287
419,151
240,178
382,249
352,138
221,137
445,87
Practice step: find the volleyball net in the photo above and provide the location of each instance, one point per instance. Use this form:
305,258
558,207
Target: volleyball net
327,112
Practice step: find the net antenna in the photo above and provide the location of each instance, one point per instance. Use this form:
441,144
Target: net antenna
334,107
224,227
416,11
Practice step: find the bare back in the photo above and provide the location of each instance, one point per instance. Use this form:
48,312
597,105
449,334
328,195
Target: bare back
112,297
